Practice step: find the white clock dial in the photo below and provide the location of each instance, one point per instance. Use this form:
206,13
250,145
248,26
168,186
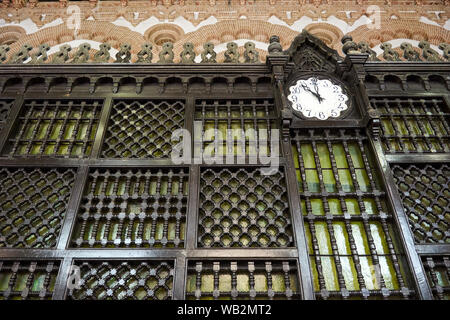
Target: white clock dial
317,98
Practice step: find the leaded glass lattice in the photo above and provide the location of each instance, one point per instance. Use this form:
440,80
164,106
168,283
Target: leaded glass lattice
55,128
349,229
133,208
416,125
424,189
237,280
142,128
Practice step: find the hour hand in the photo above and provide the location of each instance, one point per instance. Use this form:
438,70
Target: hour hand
313,93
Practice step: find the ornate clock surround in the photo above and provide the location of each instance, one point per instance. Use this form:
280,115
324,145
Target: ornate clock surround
321,76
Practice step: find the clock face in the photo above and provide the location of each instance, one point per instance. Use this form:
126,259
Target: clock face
318,98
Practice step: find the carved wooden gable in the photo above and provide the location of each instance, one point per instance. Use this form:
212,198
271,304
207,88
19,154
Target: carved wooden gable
312,54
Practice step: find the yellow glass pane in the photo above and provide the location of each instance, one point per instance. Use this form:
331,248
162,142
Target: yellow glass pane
324,156
346,180
341,236
315,274
379,238
401,127
388,273
330,273
323,238
295,155
329,181
260,282
312,180
308,238
207,283
359,234
303,207
278,284
355,154
369,273
363,179
225,282
349,273
352,206
387,126
308,156
370,206
317,207
243,284
335,206
4,280
190,283
339,155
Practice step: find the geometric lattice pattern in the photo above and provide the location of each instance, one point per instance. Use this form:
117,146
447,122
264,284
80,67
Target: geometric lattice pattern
133,208
142,129
5,108
237,280
425,191
240,207
413,124
438,274
129,280
56,128
27,280
32,205
348,226
233,127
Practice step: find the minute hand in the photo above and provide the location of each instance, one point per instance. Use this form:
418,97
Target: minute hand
313,93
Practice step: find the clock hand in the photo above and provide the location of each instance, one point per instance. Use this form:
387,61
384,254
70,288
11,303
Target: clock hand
313,93
316,88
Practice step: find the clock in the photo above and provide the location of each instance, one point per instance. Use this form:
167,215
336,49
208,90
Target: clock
318,98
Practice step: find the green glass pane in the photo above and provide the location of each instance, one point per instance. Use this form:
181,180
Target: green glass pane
346,180
401,127
355,154
370,206
317,207
329,181
363,179
312,180
315,274
303,207
339,155
387,126
308,156
413,126
335,206
308,238
21,281
295,155
38,282
441,275
4,281
324,156
299,180
190,283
